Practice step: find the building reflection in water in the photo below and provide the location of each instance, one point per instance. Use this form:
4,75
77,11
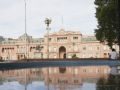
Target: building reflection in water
57,78
73,77
23,76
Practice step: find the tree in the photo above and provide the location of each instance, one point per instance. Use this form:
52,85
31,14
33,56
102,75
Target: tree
39,48
107,16
74,56
110,83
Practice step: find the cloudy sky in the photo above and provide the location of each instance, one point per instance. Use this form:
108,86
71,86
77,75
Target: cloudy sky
72,15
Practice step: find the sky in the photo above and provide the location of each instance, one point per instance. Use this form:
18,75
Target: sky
71,15
39,85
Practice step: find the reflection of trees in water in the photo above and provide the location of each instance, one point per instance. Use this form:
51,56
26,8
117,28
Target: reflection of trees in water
111,83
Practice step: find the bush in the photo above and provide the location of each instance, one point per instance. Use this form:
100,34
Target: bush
74,56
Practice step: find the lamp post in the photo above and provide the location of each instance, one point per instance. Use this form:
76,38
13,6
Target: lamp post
48,22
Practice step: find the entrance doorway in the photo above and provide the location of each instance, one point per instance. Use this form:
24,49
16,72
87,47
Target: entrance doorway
62,52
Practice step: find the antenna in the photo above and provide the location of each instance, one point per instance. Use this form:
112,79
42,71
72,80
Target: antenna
62,22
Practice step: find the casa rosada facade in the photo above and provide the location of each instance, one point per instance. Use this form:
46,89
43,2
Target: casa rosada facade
62,44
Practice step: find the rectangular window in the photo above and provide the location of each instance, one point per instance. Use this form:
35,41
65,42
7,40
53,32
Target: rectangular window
61,38
75,37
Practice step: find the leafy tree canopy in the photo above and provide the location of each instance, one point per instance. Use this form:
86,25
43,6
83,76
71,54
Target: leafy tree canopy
106,14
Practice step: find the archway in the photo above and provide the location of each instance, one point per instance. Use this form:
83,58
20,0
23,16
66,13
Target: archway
62,52
62,69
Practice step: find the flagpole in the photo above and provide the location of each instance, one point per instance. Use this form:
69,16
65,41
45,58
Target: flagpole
25,32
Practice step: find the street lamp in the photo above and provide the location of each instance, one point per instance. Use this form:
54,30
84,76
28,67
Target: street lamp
48,22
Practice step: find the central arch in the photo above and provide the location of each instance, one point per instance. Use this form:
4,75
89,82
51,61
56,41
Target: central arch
62,52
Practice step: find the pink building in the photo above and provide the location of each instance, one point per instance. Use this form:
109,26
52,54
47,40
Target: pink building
62,44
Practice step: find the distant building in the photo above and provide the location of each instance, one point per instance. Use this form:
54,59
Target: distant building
62,44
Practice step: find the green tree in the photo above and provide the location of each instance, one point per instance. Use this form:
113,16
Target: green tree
39,48
101,84
106,14
74,56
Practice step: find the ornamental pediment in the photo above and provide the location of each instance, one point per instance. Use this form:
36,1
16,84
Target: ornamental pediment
63,32
60,32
